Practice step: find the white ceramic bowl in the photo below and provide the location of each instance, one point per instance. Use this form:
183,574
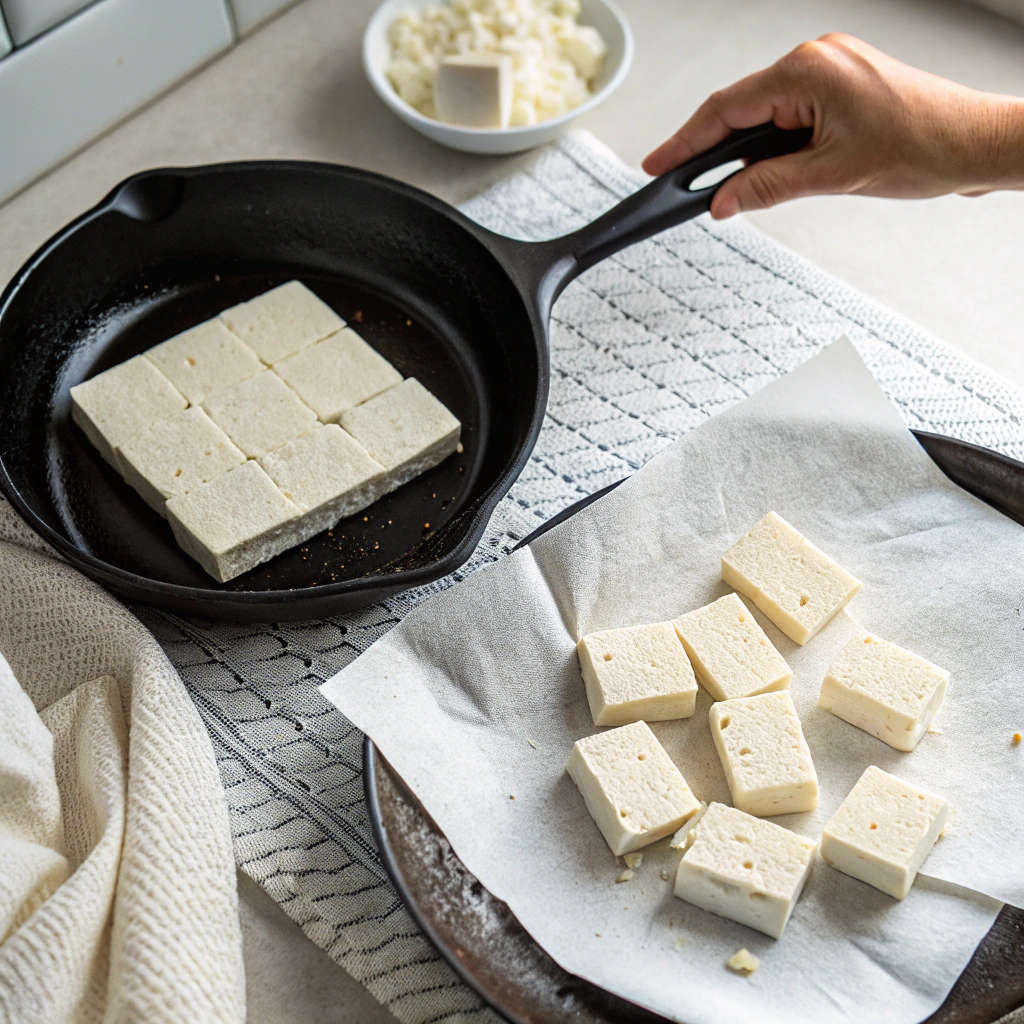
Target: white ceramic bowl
602,14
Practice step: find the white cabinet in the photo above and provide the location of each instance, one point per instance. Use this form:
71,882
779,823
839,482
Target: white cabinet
27,19
67,85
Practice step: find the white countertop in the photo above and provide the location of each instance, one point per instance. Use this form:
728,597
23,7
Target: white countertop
296,89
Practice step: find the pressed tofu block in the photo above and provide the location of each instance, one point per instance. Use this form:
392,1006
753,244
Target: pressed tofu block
175,455
883,831
236,521
337,373
797,586
637,673
326,473
204,360
406,429
764,754
633,791
884,690
121,402
730,652
746,869
474,90
260,414
282,321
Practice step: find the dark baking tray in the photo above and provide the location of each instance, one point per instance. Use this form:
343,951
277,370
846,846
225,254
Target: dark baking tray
492,952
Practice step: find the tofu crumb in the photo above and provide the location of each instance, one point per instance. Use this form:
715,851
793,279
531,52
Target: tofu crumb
665,876
625,876
633,860
679,943
935,730
1016,739
533,743
459,448
743,962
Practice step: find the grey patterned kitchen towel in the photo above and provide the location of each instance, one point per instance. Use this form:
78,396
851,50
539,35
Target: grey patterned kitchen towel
644,346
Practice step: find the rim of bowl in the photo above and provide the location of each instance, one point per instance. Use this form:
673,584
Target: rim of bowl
386,91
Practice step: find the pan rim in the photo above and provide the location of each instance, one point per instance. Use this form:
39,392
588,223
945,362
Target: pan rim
151,591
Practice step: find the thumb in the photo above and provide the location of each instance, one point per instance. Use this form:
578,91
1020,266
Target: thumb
766,183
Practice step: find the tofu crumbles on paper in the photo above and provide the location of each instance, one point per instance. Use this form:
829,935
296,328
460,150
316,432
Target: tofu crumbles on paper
453,694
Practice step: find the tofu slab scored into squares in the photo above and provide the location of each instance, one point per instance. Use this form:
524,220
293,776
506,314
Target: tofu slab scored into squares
337,373
175,455
797,586
203,360
633,791
765,757
327,473
260,414
121,402
234,522
282,321
746,869
730,652
406,429
883,689
883,831
637,673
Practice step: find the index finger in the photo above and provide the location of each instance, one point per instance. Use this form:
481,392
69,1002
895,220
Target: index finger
766,95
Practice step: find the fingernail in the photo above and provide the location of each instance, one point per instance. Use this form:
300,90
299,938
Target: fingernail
727,207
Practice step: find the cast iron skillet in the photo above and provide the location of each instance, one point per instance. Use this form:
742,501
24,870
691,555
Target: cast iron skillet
459,307
491,951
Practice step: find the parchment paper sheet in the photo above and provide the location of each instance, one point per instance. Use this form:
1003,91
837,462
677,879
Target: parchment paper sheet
453,694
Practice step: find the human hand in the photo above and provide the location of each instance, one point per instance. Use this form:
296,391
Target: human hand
881,128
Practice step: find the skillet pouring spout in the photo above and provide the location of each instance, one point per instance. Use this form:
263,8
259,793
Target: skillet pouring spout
543,269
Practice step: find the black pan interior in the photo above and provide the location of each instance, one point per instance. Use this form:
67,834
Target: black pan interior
170,249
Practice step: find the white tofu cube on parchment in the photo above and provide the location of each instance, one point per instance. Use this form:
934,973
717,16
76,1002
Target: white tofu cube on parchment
730,652
474,90
883,831
337,373
797,586
744,868
406,429
121,402
260,414
282,321
637,673
764,755
632,789
175,455
327,474
883,689
204,359
234,522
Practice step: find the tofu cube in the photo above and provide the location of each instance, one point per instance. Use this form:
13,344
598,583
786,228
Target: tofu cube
637,673
204,360
121,402
586,49
474,90
236,521
730,652
883,831
797,586
326,473
633,791
746,869
282,321
406,429
337,373
175,455
884,690
764,754
260,414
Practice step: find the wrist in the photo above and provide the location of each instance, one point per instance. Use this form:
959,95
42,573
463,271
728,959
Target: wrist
999,147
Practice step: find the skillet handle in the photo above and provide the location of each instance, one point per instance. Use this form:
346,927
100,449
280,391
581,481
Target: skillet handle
667,201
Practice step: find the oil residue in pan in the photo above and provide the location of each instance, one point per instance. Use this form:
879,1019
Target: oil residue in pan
400,531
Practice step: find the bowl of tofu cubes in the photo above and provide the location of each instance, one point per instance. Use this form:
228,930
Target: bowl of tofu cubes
495,76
